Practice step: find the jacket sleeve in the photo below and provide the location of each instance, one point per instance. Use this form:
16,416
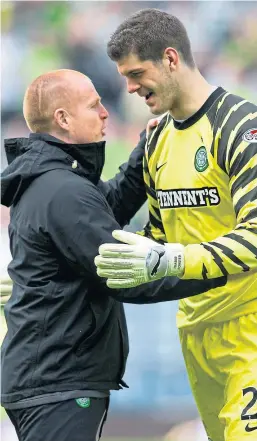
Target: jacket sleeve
79,221
236,251
164,290
125,192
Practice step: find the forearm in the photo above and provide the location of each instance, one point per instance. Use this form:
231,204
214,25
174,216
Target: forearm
233,253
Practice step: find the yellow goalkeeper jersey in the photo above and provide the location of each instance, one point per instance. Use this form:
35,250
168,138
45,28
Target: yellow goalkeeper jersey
201,182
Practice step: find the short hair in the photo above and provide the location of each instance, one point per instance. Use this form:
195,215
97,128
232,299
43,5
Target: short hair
45,94
147,33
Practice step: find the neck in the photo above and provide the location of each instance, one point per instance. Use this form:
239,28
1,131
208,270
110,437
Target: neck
194,90
62,137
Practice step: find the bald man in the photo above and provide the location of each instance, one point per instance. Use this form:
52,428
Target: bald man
65,104
66,345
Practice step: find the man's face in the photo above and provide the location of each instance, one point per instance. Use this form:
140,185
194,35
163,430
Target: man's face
88,115
152,81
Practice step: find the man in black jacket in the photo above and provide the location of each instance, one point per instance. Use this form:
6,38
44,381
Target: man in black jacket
66,345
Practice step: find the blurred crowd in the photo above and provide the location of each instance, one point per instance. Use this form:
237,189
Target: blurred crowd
38,36
44,35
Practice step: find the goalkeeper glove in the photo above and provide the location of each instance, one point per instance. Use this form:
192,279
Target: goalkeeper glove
140,261
6,289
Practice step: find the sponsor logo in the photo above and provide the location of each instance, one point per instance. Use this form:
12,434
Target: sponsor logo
83,402
201,159
195,197
250,135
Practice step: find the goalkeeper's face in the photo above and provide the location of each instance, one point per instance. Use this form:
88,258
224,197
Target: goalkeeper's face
153,81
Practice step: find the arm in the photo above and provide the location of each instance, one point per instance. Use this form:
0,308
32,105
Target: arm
79,221
154,228
125,192
232,253
164,290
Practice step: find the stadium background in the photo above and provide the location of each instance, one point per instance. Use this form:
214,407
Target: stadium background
40,36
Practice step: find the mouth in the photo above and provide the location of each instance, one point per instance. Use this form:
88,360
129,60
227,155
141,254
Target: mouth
148,96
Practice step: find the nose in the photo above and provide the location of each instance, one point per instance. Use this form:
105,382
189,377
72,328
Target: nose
132,86
103,113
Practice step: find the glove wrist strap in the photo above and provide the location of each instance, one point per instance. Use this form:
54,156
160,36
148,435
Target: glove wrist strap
176,260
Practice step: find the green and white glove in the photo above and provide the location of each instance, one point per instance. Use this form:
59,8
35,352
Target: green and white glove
138,260
6,289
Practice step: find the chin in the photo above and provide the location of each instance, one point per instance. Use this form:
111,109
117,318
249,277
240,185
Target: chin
156,111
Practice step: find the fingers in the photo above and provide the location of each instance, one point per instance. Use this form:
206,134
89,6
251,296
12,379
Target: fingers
6,281
119,253
108,273
121,283
126,237
115,250
107,263
5,289
131,238
152,123
4,299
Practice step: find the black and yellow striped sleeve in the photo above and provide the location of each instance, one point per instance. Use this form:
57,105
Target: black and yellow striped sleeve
154,228
236,154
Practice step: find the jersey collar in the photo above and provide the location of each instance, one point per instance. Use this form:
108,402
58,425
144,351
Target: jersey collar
198,115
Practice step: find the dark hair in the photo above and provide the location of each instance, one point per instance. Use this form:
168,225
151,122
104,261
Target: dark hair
147,33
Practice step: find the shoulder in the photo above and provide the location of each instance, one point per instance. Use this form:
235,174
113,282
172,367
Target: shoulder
230,111
71,189
153,137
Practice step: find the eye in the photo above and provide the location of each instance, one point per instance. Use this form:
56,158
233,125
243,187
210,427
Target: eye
95,105
135,74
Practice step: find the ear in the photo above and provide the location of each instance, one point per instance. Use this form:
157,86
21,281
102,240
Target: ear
62,118
171,57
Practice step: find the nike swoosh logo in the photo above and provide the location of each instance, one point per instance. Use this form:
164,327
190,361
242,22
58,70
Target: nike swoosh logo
160,166
250,429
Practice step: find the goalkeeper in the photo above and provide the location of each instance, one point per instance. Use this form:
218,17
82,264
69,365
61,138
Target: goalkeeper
200,173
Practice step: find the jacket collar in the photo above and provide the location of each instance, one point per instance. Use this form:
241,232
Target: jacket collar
90,157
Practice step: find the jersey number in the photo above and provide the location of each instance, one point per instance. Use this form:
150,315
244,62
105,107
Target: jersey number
244,414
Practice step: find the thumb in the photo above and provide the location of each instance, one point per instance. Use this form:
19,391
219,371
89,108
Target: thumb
150,126
127,237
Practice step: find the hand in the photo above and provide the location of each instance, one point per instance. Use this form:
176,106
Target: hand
6,289
141,261
152,123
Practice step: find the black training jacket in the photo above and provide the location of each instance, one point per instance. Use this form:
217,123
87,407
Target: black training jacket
66,329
